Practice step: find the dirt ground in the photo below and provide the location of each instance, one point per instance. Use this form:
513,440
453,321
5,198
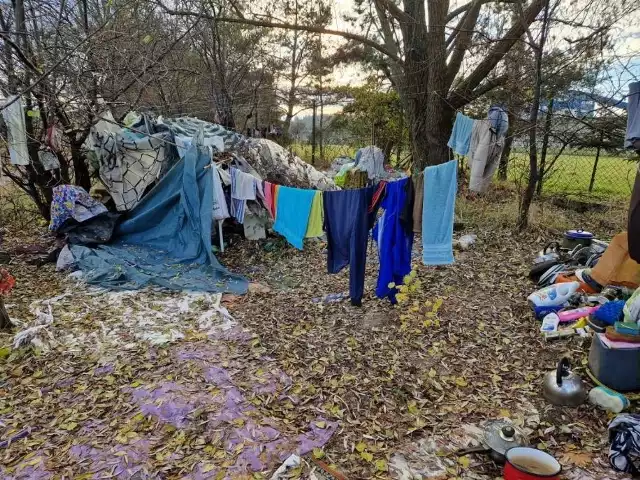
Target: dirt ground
158,385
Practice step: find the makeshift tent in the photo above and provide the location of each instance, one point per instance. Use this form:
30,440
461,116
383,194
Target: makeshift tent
166,239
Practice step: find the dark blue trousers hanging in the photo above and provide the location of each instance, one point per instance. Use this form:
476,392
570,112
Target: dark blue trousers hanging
347,222
394,235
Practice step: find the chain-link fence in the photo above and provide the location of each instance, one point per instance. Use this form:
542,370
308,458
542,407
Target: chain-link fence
596,174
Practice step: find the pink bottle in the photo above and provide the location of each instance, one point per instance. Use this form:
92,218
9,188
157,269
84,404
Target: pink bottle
576,313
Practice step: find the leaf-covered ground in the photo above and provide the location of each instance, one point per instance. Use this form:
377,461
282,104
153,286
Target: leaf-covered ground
160,385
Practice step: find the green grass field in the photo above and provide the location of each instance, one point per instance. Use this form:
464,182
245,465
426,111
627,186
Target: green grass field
570,174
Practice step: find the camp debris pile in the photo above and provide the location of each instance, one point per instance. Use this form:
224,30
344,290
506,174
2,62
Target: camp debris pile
591,289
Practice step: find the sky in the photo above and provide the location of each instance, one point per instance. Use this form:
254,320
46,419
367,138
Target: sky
625,68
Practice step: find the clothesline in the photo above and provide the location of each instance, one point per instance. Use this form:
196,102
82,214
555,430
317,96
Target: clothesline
348,216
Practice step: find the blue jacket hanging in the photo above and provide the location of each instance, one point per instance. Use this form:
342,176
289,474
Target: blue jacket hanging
394,235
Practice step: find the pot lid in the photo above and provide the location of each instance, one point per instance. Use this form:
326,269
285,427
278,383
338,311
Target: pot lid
501,435
578,234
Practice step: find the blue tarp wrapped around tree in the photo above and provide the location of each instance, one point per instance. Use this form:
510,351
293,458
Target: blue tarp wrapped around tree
166,239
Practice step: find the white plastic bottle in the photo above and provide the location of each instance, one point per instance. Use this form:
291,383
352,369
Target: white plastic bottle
553,295
550,323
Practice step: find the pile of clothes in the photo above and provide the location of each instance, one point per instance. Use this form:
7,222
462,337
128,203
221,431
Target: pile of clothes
366,168
482,141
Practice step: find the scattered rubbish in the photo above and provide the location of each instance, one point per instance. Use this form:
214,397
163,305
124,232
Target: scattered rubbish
255,287
576,313
65,259
526,463
465,241
498,437
331,298
550,323
326,472
624,435
291,462
418,460
160,339
608,399
24,433
563,387
553,295
559,334
38,335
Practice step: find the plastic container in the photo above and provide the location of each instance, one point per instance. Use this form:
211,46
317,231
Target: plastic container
541,312
553,295
550,323
616,368
576,313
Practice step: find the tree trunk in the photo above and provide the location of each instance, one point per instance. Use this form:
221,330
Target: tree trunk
80,169
429,130
545,146
506,151
5,321
527,198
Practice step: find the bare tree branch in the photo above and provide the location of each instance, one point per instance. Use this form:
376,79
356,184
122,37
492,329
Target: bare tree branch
286,26
497,53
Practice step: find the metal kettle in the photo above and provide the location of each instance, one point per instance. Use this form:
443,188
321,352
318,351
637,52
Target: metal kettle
563,387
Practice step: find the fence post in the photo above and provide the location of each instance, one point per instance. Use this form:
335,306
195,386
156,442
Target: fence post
313,133
595,164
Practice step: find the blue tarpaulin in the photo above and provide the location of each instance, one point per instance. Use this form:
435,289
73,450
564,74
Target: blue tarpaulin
166,239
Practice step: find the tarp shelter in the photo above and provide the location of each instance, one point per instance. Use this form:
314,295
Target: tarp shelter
166,239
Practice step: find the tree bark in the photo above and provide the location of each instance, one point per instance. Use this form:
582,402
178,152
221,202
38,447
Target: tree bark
5,321
506,151
545,146
527,198
80,169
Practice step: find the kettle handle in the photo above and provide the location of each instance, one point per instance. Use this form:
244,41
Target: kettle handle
563,367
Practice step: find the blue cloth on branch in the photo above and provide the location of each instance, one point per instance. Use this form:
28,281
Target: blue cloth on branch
461,134
166,240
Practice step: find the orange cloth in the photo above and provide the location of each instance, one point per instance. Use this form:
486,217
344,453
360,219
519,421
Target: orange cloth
584,286
616,267
276,190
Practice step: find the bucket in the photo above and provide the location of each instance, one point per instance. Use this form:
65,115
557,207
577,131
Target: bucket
524,463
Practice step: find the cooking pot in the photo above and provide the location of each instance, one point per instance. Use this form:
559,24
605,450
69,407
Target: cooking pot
498,436
576,237
524,463
563,387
